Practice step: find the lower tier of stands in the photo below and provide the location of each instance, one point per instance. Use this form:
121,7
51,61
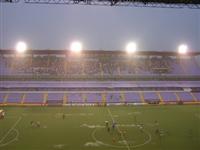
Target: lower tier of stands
98,97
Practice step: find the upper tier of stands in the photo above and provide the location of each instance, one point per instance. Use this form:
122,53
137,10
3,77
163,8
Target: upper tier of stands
59,65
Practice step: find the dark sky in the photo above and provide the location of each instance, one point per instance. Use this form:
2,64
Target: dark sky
98,27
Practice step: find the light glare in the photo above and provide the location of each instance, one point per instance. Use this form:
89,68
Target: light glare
76,47
182,49
21,47
131,47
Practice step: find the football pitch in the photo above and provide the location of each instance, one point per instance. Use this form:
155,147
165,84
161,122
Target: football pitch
174,127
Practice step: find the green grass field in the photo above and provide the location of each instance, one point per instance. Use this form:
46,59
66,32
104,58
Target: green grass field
83,128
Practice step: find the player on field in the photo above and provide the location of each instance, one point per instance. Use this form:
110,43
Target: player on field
63,116
107,123
2,114
113,125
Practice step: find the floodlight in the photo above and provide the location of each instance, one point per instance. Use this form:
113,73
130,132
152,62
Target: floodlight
182,49
76,47
131,47
21,47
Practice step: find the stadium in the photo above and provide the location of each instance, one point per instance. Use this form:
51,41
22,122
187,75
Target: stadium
80,99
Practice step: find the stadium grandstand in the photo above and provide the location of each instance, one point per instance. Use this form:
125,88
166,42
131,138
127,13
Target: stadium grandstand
60,77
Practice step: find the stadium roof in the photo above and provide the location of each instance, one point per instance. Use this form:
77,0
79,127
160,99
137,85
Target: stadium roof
116,52
136,3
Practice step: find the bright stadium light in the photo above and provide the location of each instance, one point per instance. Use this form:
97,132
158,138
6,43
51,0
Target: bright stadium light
76,47
131,47
21,47
182,49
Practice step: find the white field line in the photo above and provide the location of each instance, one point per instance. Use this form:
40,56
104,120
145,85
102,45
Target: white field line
122,136
16,138
14,125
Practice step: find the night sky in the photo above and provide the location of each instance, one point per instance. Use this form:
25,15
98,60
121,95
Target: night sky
98,27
